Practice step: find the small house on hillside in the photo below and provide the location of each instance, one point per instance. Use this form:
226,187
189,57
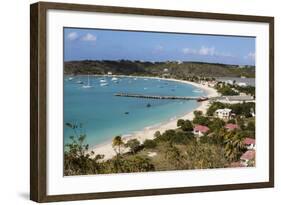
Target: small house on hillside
200,130
248,157
166,70
223,113
250,143
231,126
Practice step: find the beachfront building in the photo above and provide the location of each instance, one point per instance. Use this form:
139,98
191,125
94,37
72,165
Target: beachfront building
250,143
241,84
224,114
166,70
109,73
200,130
231,127
248,158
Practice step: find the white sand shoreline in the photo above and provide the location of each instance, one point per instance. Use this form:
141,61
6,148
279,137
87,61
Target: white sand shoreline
148,132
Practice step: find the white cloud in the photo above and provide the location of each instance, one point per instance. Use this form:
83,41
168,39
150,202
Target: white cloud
205,51
189,51
251,56
72,36
89,37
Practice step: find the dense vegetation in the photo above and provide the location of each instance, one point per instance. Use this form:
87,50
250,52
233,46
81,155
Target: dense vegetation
228,89
170,69
175,149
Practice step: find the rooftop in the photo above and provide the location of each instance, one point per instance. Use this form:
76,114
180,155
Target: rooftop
201,128
250,154
231,126
223,110
248,141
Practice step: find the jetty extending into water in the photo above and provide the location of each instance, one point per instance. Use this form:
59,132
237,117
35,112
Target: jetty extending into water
223,99
161,97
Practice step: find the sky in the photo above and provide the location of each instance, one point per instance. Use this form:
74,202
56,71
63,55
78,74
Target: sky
97,44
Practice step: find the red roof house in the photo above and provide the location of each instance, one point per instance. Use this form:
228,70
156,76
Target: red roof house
250,143
200,130
247,156
231,126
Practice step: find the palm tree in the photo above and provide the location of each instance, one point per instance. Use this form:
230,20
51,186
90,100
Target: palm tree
233,145
117,143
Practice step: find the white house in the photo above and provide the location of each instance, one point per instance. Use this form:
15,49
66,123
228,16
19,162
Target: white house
166,70
223,113
109,73
242,84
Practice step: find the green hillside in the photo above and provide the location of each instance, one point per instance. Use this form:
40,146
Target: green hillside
168,68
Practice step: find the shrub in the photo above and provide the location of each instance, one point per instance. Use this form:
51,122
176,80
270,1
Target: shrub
149,144
134,145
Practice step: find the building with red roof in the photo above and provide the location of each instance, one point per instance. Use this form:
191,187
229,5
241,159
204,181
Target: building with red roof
247,157
250,143
231,126
200,130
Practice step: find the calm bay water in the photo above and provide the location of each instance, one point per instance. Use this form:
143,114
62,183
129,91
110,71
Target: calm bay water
103,115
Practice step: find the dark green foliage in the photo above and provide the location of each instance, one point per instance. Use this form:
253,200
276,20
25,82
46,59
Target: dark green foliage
134,145
118,144
244,108
201,120
129,164
166,136
149,144
174,137
226,90
216,124
77,160
198,113
232,121
215,105
234,146
180,122
251,126
187,70
185,125
249,90
157,134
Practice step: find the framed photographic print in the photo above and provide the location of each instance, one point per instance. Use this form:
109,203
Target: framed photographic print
135,102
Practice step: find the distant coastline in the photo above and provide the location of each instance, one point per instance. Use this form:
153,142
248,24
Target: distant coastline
172,69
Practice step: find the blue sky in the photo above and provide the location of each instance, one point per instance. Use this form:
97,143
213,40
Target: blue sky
94,44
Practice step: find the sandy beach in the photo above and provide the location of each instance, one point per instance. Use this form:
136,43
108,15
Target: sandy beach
148,132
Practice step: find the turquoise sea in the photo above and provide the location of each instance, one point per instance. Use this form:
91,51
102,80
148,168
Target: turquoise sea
104,115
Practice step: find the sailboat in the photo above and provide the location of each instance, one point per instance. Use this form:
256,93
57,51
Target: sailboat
88,85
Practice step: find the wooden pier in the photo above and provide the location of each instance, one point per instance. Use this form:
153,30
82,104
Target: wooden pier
161,97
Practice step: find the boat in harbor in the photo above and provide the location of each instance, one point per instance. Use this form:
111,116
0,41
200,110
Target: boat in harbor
114,79
88,84
104,84
201,99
